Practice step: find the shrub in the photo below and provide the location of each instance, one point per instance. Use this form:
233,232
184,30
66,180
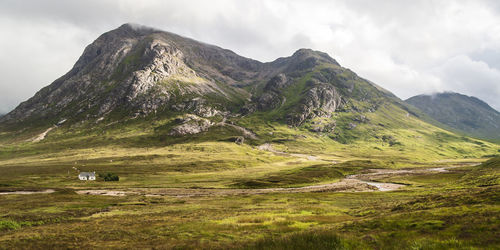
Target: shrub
109,177
9,225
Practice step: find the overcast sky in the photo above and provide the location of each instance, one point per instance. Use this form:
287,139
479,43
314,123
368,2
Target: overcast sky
409,47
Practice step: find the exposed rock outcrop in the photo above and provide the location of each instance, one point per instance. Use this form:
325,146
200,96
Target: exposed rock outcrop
272,97
320,101
190,125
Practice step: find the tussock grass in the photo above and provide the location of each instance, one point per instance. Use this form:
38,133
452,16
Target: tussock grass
306,240
293,177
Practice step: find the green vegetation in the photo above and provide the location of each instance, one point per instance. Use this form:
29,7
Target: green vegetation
293,177
323,240
109,177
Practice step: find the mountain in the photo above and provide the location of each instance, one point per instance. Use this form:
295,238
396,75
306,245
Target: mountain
143,86
138,70
467,114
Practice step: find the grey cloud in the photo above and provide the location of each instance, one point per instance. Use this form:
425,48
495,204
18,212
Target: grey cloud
476,78
489,56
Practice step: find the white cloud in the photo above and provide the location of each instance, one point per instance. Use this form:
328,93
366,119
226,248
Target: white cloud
408,47
475,78
34,55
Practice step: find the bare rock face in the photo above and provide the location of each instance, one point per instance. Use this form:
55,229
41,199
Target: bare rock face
164,62
324,92
163,77
190,125
320,101
198,106
272,98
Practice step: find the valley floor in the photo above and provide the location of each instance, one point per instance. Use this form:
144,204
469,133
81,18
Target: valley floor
249,198
352,183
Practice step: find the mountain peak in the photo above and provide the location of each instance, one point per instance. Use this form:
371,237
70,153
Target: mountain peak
128,30
446,93
303,59
305,53
135,26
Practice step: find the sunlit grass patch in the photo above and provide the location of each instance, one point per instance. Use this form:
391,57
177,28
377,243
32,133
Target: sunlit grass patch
305,240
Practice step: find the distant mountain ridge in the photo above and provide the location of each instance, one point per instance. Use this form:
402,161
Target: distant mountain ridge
467,114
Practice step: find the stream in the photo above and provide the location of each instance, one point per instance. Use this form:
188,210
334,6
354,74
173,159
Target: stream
47,191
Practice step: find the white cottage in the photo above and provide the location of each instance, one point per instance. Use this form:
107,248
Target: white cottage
87,176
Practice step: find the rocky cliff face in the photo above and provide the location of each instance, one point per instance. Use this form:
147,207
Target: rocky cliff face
464,113
321,100
138,71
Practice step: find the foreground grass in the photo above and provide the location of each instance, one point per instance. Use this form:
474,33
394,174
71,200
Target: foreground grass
321,240
389,221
